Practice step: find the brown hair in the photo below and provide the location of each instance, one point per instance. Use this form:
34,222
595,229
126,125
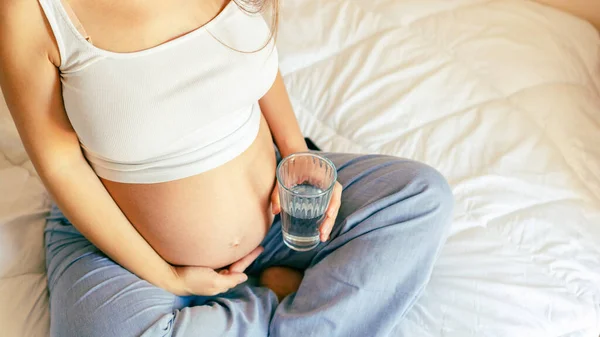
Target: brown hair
271,7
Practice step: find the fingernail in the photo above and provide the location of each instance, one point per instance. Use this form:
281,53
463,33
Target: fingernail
243,278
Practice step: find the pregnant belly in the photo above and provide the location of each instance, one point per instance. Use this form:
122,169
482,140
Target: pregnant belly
211,219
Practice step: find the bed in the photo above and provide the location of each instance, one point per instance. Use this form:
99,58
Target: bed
503,97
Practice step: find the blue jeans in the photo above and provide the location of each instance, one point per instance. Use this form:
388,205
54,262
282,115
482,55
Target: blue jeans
393,221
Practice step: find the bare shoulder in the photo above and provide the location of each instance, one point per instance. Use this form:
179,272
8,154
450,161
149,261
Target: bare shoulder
24,30
585,9
30,80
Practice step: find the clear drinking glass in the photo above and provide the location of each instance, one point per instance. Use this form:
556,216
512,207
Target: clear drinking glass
305,182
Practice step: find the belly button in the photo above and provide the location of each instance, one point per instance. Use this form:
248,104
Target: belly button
236,242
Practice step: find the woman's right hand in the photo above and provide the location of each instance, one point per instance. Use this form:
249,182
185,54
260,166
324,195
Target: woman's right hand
209,282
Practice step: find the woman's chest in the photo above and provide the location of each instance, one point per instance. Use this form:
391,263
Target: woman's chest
135,107
129,26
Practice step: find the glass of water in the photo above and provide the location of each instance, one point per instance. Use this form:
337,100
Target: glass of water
305,182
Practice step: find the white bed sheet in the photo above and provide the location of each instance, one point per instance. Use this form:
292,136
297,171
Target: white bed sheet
501,96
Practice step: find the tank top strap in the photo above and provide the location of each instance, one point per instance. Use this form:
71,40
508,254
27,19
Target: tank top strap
76,51
75,20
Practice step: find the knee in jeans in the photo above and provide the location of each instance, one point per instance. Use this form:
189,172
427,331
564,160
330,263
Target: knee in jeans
91,324
427,193
437,188
96,311
436,193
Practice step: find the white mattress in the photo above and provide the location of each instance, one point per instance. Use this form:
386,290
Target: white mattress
501,96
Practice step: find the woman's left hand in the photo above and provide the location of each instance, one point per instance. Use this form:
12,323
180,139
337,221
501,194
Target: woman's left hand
330,214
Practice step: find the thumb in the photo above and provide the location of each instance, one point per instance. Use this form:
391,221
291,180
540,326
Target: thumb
275,205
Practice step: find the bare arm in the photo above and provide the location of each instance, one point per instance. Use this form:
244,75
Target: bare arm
278,112
585,9
277,109
31,86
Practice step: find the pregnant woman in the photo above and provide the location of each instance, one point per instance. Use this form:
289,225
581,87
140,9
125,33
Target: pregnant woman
151,123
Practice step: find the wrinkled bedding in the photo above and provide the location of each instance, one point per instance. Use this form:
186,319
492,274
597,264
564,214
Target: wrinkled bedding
503,97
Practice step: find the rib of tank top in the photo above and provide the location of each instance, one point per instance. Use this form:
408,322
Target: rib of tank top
171,111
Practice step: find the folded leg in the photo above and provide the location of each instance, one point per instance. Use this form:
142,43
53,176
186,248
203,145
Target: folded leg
91,295
393,220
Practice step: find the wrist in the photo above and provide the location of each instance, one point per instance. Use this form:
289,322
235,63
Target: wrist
291,148
175,284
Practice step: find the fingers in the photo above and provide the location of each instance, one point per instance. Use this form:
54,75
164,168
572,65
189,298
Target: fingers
234,275
326,227
225,280
332,212
275,205
207,282
243,263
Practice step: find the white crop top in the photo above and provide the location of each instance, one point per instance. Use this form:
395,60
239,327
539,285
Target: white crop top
171,111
